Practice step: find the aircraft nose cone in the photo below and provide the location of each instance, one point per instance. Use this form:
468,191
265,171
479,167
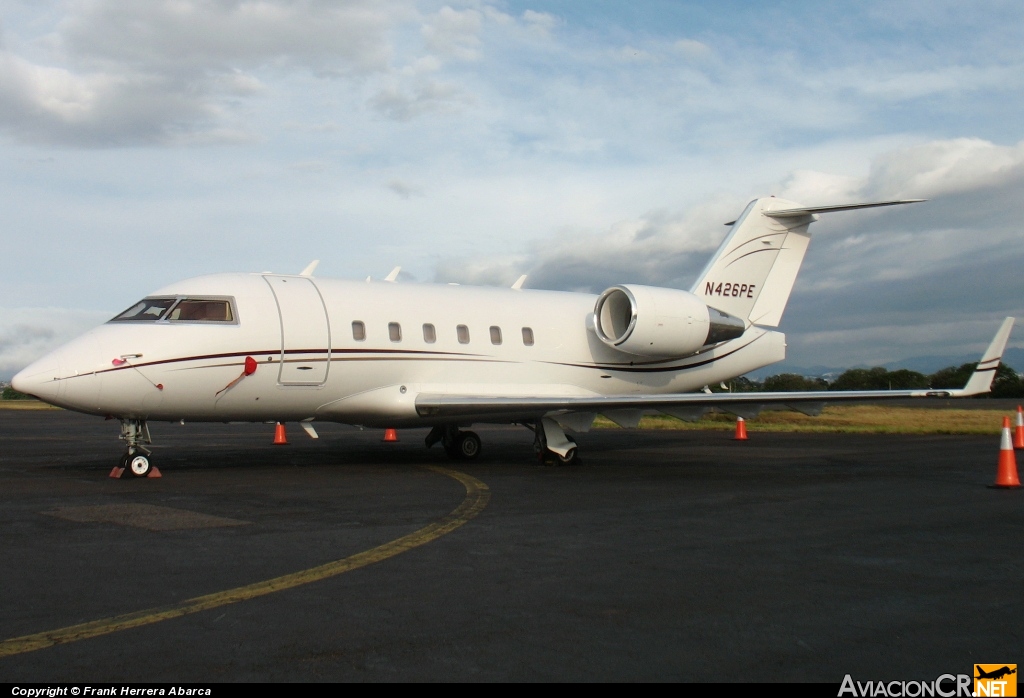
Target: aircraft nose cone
41,379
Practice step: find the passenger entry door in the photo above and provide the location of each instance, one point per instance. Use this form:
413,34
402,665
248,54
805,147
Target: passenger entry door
305,331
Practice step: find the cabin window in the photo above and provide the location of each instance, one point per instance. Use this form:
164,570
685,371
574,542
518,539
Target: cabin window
146,310
358,331
429,333
201,310
463,333
395,331
495,334
528,336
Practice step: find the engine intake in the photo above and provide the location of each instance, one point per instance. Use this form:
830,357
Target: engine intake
661,322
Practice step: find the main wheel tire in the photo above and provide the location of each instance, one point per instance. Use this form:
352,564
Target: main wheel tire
468,445
139,465
570,458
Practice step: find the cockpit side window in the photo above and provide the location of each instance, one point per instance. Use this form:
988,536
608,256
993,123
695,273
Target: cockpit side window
146,310
202,310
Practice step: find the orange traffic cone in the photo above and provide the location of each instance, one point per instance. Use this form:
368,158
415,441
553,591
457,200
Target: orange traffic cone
1018,433
741,430
280,437
390,435
1006,474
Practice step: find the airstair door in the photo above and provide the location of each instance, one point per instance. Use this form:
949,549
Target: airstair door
305,331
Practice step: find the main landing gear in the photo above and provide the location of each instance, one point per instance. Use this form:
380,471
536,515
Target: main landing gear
137,460
549,440
552,445
459,445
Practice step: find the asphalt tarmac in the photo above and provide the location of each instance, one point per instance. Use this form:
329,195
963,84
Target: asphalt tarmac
664,556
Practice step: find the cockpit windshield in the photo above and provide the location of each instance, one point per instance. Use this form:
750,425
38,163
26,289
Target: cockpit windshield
146,310
180,310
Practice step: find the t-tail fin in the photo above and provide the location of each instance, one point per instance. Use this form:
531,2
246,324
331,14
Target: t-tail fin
752,274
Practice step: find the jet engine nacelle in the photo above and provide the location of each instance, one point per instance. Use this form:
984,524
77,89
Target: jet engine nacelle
662,322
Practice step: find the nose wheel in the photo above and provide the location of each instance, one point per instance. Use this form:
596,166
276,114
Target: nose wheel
138,464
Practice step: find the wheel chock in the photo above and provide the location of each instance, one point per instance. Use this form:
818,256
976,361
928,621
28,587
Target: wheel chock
117,472
1006,472
154,472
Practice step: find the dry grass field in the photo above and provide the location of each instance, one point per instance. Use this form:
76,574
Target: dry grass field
845,419
25,405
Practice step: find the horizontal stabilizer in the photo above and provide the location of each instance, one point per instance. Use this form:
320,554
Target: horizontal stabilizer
811,210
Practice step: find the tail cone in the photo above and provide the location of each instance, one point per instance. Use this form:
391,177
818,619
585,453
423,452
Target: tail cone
280,437
1018,432
1006,474
390,435
741,430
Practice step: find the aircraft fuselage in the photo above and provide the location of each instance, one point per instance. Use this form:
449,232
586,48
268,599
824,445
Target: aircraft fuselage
359,353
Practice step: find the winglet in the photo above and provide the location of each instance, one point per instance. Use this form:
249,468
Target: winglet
310,268
981,379
393,276
518,285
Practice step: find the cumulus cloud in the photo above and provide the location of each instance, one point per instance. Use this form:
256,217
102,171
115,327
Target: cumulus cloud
454,33
28,333
404,189
658,248
540,23
873,282
691,48
400,104
174,36
120,72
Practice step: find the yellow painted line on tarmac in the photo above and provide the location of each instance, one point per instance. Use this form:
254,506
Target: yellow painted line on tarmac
477,497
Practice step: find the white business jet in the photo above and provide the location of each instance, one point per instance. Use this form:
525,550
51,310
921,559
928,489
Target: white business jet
275,347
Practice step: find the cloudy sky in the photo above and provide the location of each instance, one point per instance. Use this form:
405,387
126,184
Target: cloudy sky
583,143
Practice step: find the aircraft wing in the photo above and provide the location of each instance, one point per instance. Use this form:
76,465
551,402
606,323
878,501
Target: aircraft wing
693,405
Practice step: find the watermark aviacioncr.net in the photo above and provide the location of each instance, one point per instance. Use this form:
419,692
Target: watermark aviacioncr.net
989,680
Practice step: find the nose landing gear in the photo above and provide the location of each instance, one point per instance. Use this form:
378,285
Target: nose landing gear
137,460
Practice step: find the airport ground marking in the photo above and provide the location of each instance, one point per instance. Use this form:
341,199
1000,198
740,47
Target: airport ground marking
477,497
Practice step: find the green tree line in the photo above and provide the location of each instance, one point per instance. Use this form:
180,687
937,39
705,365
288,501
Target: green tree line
1007,383
10,393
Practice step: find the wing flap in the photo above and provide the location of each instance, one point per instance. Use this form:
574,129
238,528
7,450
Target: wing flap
467,406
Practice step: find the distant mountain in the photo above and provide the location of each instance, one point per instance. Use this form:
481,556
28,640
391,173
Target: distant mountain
1014,357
